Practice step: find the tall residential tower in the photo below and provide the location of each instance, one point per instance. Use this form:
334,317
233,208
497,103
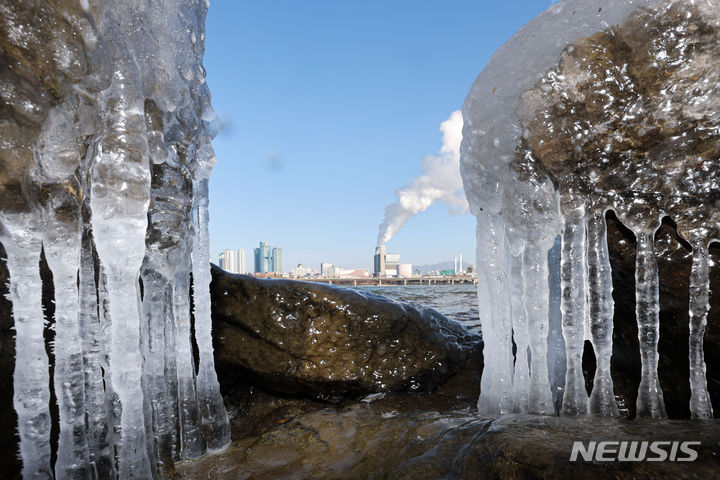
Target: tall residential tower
233,261
268,259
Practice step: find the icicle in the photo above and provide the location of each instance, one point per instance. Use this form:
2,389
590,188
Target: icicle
700,405
556,342
650,402
171,379
496,381
573,309
157,309
212,407
93,347
535,278
119,222
56,160
112,405
31,393
600,311
191,441
165,239
521,375
62,239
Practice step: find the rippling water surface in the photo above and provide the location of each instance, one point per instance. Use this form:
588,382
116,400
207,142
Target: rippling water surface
457,302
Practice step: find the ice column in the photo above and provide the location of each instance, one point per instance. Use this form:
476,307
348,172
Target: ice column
212,408
556,342
166,244
600,310
160,413
56,159
535,278
572,271
521,374
94,349
700,406
192,444
119,222
62,247
31,397
496,382
650,401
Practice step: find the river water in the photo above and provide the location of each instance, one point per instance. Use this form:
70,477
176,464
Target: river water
457,302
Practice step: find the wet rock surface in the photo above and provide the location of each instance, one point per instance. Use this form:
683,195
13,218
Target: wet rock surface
313,340
355,441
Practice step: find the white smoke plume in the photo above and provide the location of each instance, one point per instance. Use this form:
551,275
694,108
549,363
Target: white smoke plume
440,181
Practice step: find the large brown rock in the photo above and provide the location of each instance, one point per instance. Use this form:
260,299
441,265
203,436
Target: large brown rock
307,339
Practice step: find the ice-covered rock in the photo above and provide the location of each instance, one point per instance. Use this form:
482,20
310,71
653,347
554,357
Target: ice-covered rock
594,106
106,126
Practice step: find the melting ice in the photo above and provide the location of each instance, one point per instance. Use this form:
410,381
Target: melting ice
593,106
105,163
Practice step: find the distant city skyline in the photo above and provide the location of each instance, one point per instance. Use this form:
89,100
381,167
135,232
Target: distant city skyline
234,261
330,107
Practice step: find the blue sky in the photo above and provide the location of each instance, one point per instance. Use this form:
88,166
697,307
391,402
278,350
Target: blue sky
329,107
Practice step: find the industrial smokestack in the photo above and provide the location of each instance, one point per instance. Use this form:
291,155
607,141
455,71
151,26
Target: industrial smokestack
440,181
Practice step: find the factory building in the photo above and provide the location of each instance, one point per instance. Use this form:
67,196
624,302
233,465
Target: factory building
405,270
379,270
386,264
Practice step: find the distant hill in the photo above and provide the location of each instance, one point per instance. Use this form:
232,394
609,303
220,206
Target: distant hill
447,265
436,267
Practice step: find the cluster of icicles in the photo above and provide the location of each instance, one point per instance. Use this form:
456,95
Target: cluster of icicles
114,191
623,119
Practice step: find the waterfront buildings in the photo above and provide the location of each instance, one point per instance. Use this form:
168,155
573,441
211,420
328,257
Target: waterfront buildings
277,260
392,261
268,259
263,258
379,262
386,264
302,271
455,268
405,270
328,270
233,261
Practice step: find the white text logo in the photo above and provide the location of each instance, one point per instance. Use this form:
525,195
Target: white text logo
635,451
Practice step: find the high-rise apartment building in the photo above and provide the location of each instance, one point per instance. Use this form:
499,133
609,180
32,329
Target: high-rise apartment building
242,261
263,258
268,259
277,260
233,261
326,269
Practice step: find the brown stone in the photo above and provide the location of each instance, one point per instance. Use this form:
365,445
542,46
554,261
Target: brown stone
306,339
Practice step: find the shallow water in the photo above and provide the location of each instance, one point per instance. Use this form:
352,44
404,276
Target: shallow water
457,302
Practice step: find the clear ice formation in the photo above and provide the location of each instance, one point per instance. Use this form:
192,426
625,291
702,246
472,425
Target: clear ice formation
593,106
105,160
